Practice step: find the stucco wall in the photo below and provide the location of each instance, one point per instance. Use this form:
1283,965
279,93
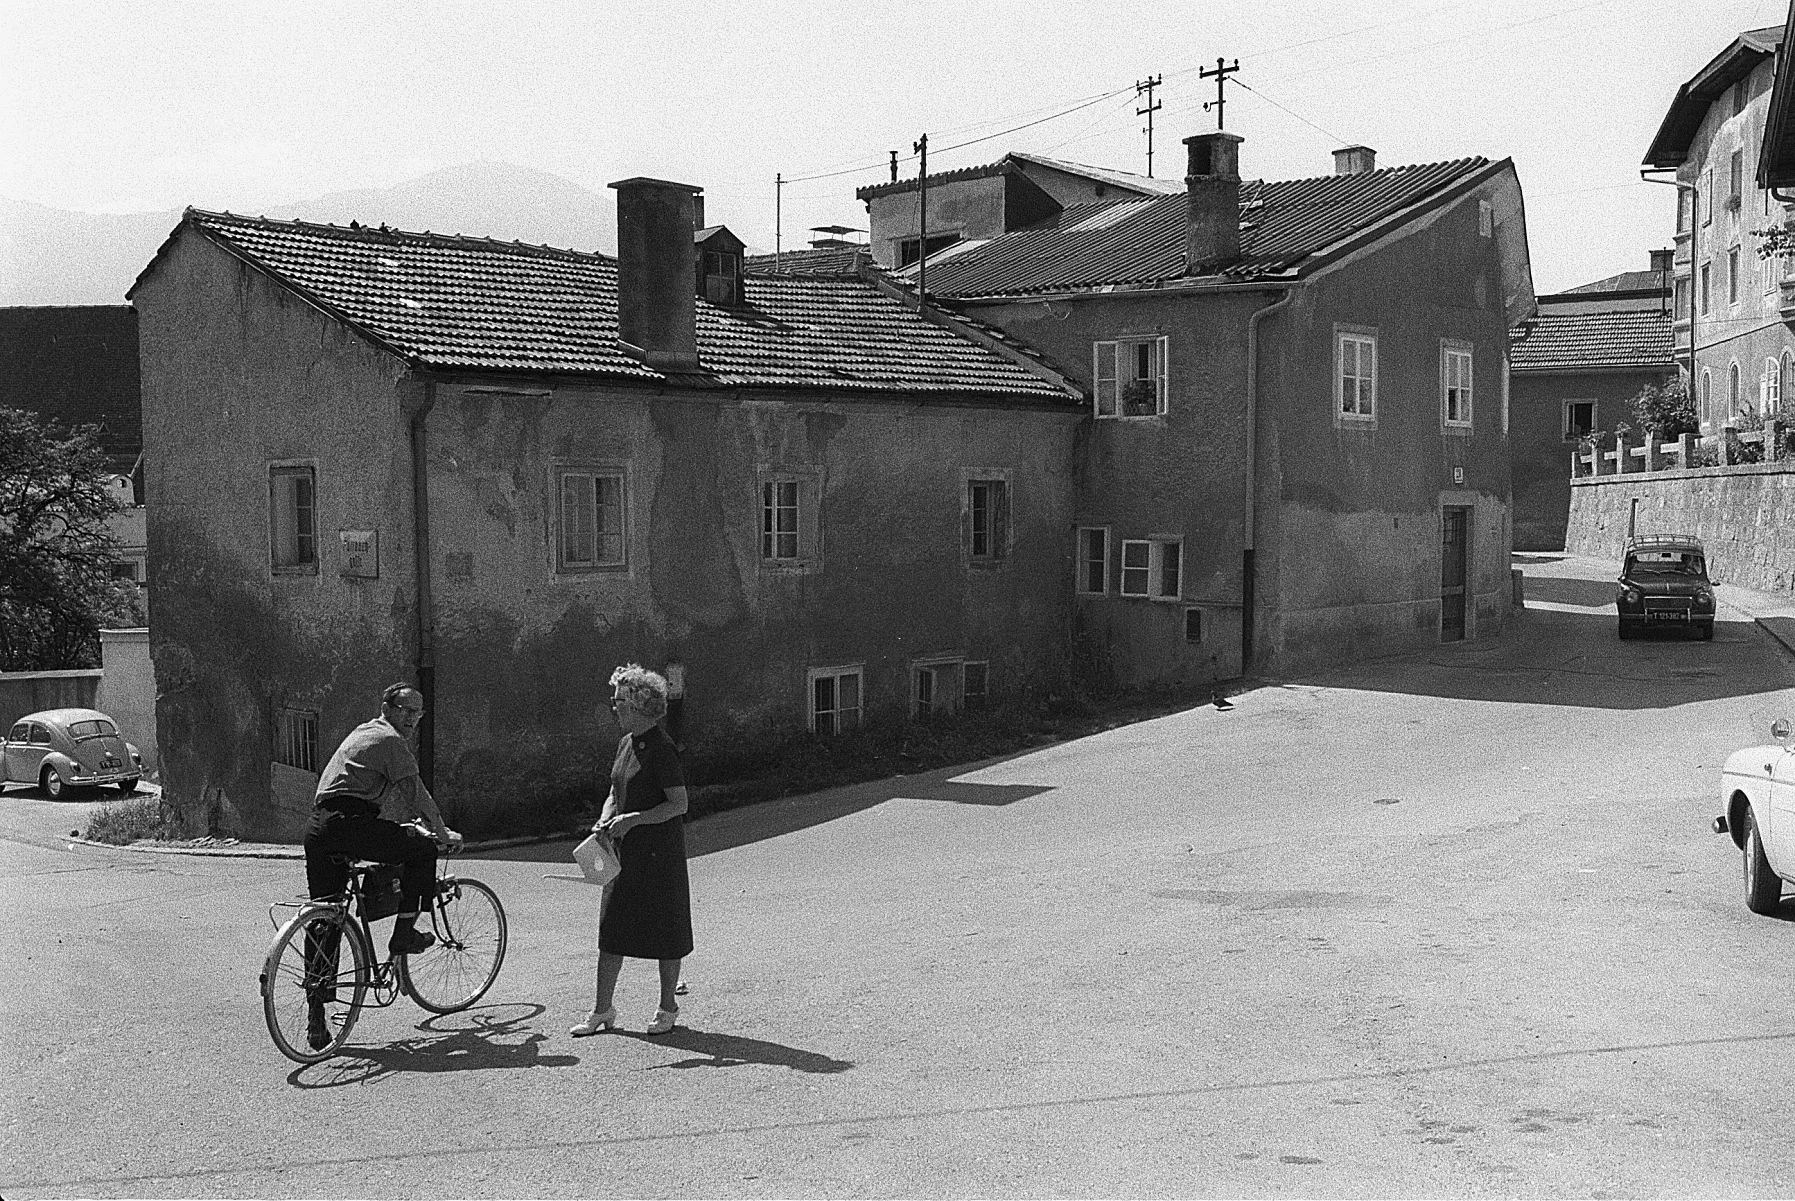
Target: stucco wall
239,374
1350,548
1542,453
524,651
973,208
127,691
1741,514
1180,475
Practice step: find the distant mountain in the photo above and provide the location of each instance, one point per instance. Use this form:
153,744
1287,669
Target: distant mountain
52,256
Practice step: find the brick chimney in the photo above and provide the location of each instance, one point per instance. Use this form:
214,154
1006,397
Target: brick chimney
1212,230
656,310
1661,259
1355,160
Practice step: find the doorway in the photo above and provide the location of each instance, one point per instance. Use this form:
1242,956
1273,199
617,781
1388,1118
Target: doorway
1455,561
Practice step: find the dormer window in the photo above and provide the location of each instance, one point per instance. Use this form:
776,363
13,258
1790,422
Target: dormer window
721,270
719,266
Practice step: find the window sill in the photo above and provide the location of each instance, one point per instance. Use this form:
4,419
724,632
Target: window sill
1454,429
280,573
1348,421
598,569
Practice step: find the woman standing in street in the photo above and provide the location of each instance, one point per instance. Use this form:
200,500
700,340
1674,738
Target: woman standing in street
648,909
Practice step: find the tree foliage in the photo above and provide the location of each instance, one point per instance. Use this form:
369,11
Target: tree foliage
1667,410
56,553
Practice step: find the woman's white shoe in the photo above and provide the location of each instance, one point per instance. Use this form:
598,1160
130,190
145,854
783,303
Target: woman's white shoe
595,1021
664,1021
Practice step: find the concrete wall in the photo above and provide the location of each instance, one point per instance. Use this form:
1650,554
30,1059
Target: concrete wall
525,651
1541,451
255,376
127,690
23,692
1350,547
1740,513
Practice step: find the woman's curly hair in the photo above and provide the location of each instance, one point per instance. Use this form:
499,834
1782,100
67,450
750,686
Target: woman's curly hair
645,690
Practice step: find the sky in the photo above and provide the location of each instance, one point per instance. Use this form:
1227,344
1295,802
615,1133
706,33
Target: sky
129,105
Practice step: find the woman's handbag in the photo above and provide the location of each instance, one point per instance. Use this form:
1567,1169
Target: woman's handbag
597,859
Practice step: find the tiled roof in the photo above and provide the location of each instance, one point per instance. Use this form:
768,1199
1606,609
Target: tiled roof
813,260
473,304
1684,117
1621,340
1141,241
78,365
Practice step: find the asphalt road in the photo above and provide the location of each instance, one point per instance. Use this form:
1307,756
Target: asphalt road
1445,924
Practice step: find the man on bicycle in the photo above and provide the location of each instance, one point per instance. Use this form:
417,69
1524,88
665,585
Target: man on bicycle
372,778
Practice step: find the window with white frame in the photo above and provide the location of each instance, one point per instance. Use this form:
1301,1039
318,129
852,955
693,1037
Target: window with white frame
988,518
1455,385
1152,567
1787,387
975,684
1736,179
790,518
293,520
1708,197
1770,386
1680,306
590,517
1685,200
1355,375
1486,218
1093,560
1706,289
1732,275
296,739
1579,419
1130,377
834,701
1705,414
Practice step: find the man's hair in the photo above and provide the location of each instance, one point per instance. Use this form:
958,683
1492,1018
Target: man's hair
391,693
646,690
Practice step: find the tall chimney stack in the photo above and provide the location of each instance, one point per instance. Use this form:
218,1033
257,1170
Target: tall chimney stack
657,313
1212,230
1355,160
1661,259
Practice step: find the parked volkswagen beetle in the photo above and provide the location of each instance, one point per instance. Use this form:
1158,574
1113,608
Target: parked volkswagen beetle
1757,797
60,749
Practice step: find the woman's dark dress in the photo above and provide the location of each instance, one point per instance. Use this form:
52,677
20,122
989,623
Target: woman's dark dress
649,914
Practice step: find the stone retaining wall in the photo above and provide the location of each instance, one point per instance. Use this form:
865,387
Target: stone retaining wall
1745,515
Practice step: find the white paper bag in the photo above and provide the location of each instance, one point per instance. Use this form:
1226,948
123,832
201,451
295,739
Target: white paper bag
597,860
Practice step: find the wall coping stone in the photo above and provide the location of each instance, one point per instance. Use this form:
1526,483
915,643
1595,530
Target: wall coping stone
1780,467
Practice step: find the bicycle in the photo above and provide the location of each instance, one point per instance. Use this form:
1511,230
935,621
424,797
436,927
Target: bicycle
304,962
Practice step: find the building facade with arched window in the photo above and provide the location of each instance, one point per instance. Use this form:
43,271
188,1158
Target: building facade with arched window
1733,306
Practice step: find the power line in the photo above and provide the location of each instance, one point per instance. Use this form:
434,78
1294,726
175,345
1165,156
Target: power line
1318,129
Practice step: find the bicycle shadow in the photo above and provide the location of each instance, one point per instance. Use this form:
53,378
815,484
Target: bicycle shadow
469,1041
714,1050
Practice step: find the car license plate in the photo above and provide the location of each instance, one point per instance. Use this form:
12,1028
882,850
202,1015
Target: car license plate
109,762
1668,615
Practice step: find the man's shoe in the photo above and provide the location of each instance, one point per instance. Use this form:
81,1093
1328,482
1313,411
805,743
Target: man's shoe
410,942
317,1027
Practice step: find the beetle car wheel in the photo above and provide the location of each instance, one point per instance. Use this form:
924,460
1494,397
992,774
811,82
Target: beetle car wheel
52,784
1763,887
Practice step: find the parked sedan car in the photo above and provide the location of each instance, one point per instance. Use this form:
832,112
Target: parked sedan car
60,749
1664,585
1757,797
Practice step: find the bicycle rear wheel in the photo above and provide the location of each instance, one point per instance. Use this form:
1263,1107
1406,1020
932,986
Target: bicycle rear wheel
304,968
470,929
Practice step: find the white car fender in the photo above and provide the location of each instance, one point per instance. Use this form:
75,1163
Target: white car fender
1748,773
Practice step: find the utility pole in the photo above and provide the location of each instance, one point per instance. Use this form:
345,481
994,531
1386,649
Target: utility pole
894,166
778,201
1147,86
922,242
1220,75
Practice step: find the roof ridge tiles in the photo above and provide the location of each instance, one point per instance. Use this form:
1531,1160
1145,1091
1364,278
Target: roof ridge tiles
395,236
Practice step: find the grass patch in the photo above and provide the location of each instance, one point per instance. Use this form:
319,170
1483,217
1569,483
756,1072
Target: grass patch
124,822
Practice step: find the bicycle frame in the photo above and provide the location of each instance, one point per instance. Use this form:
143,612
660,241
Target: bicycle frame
383,977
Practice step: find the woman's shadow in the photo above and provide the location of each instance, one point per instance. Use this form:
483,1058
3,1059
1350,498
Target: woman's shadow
713,1050
493,1036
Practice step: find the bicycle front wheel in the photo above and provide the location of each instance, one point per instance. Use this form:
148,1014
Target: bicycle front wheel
310,996
469,924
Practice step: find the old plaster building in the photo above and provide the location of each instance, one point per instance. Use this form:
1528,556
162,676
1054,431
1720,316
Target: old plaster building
1575,367
501,470
1246,427
1730,305
1298,446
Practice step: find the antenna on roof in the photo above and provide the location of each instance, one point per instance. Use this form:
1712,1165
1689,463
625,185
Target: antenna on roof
1147,85
1220,75
922,208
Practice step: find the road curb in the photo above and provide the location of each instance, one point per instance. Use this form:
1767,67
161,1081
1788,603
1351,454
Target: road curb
273,851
